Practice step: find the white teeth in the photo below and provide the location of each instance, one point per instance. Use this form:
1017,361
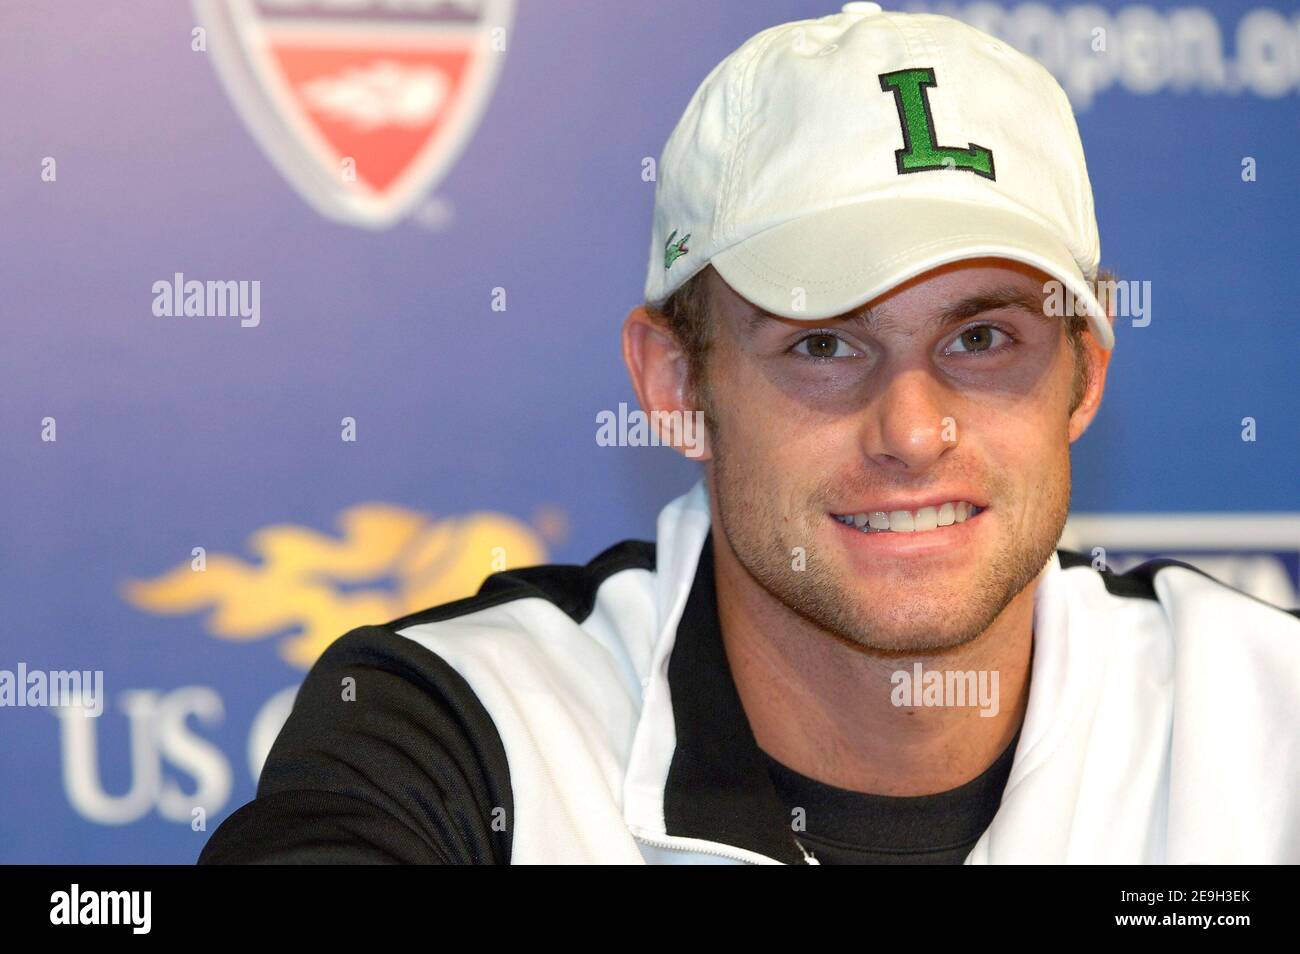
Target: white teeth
927,518
907,521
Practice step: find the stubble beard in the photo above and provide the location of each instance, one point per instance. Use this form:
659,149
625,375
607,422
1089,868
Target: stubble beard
933,620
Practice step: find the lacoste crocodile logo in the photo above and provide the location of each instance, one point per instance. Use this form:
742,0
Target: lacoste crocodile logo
674,251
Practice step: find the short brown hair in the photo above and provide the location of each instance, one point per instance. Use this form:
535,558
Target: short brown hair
687,317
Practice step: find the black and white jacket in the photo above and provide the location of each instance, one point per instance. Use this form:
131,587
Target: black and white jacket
579,714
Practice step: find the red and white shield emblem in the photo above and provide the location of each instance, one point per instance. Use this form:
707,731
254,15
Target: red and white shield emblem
364,105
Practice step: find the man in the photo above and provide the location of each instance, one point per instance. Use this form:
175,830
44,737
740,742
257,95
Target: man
855,639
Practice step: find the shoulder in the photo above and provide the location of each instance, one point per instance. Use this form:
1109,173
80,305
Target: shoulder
1189,690
407,739
1140,582
571,588
585,632
1187,597
387,756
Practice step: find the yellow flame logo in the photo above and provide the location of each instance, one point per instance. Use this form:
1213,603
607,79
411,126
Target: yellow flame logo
390,561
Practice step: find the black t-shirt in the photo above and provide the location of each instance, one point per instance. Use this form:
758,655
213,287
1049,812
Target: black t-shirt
845,827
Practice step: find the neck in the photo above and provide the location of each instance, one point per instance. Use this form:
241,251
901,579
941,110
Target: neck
825,707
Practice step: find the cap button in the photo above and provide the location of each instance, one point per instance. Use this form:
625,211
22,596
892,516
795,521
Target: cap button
861,9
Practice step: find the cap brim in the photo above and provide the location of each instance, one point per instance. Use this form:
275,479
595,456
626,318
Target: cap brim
844,257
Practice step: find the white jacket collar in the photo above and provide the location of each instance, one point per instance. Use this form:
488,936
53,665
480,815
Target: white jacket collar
1064,669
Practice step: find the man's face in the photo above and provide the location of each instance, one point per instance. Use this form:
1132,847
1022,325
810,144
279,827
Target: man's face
956,389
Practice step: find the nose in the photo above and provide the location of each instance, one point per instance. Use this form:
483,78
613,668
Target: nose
909,425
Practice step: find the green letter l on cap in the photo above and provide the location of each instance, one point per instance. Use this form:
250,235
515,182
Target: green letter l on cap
920,152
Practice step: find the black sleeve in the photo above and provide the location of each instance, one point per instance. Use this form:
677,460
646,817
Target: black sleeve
410,771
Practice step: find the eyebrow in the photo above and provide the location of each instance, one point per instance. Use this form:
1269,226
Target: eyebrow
960,310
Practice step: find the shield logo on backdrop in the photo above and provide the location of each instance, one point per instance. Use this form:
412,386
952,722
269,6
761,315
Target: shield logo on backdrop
363,105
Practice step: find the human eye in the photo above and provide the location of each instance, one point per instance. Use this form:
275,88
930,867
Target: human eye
980,339
823,346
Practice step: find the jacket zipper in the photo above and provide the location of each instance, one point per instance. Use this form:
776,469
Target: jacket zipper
702,847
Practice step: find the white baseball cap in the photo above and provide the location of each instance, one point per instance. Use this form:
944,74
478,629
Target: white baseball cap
826,161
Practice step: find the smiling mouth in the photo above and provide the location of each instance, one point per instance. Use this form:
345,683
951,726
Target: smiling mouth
911,521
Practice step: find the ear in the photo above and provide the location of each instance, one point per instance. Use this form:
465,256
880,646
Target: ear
1098,362
661,378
